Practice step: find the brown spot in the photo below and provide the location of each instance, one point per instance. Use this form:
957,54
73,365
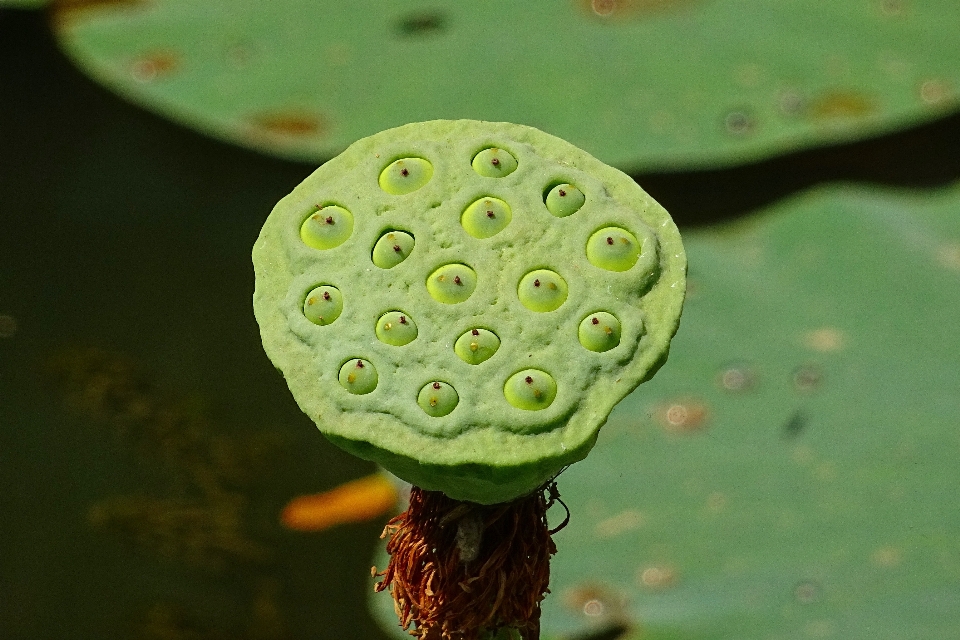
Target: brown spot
595,321
291,124
329,220
490,214
609,240
404,172
326,295
528,380
682,416
403,319
495,162
359,364
65,11
436,385
536,282
562,193
841,104
396,248
456,280
155,65
475,332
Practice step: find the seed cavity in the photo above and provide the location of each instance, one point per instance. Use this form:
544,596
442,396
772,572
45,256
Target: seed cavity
486,217
613,249
330,226
452,283
476,346
323,304
405,175
563,200
392,248
599,332
396,328
358,376
530,390
437,399
536,297
494,163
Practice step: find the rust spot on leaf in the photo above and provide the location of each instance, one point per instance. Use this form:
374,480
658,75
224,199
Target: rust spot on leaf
294,124
63,12
841,104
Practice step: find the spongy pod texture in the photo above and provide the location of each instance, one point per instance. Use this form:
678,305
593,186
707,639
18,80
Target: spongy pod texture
464,302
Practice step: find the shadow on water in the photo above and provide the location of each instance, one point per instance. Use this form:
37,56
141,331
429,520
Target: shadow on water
126,240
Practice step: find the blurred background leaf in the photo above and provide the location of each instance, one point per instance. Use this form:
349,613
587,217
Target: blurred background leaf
641,84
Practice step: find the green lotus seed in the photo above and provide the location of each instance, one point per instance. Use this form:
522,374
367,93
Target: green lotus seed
476,345
613,249
486,217
437,399
452,283
494,163
358,376
323,305
392,248
530,389
405,175
542,290
328,227
564,200
599,331
396,328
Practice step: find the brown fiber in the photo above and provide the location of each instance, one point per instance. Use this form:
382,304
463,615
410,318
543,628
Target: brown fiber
460,570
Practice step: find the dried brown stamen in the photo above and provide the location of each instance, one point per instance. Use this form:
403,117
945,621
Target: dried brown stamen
460,570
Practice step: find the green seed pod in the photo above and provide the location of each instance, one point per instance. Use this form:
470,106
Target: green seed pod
437,399
494,163
486,217
328,227
599,331
396,328
613,249
323,305
392,248
487,435
476,346
564,200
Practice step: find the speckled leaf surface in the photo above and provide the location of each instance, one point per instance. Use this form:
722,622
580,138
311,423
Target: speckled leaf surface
792,473
641,84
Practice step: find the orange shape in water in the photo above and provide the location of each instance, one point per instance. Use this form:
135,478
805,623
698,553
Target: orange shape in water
354,501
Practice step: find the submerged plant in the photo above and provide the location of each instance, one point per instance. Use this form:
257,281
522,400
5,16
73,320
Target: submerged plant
464,303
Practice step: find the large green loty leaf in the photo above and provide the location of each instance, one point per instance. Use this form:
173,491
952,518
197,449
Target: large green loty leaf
793,470
641,84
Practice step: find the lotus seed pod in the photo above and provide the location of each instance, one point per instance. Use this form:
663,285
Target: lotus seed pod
437,399
358,376
476,346
323,305
613,249
405,175
396,328
328,227
494,163
599,331
564,200
486,217
392,248
525,290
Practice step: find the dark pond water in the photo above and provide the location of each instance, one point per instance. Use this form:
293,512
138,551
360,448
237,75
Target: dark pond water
147,445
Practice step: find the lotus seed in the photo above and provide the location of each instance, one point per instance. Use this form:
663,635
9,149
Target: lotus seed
530,390
486,217
494,163
358,376
452,283
328,227
323,305
437,399
613,249
600,331
396,329
405,175
476,346
392,248
564,200
537,297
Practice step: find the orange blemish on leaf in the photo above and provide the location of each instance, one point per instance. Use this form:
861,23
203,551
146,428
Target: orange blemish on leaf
355,501
289,123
